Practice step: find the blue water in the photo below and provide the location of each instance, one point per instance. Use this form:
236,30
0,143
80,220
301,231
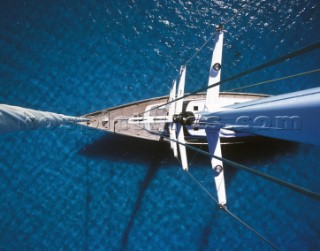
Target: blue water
78,189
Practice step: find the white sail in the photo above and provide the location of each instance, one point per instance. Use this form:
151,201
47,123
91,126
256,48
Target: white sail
14,118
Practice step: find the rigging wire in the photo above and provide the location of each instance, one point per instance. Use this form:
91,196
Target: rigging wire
252,229
210,38
234,164
198,50
223,23
237,12
241,74
275,79
194,155
298,189
280,182
213,198
202,187
232,214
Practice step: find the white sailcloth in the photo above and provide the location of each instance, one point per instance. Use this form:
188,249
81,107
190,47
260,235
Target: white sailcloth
179,108
14,118
212,104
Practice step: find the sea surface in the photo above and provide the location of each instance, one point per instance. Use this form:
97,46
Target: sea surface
72,188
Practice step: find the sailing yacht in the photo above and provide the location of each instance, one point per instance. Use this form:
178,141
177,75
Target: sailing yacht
212,116
206,116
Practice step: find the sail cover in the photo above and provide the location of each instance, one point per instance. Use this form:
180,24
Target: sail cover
14,118
292,116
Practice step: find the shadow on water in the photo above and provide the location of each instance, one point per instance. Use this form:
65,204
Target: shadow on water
206,232
152,170
126,149
119,148
262,150
250,153
133,150
87,208
154,154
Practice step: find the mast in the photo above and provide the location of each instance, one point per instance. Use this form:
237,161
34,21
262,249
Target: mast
14,118
292,116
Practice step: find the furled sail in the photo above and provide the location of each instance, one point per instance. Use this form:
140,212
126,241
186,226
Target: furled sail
293,116
14,118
